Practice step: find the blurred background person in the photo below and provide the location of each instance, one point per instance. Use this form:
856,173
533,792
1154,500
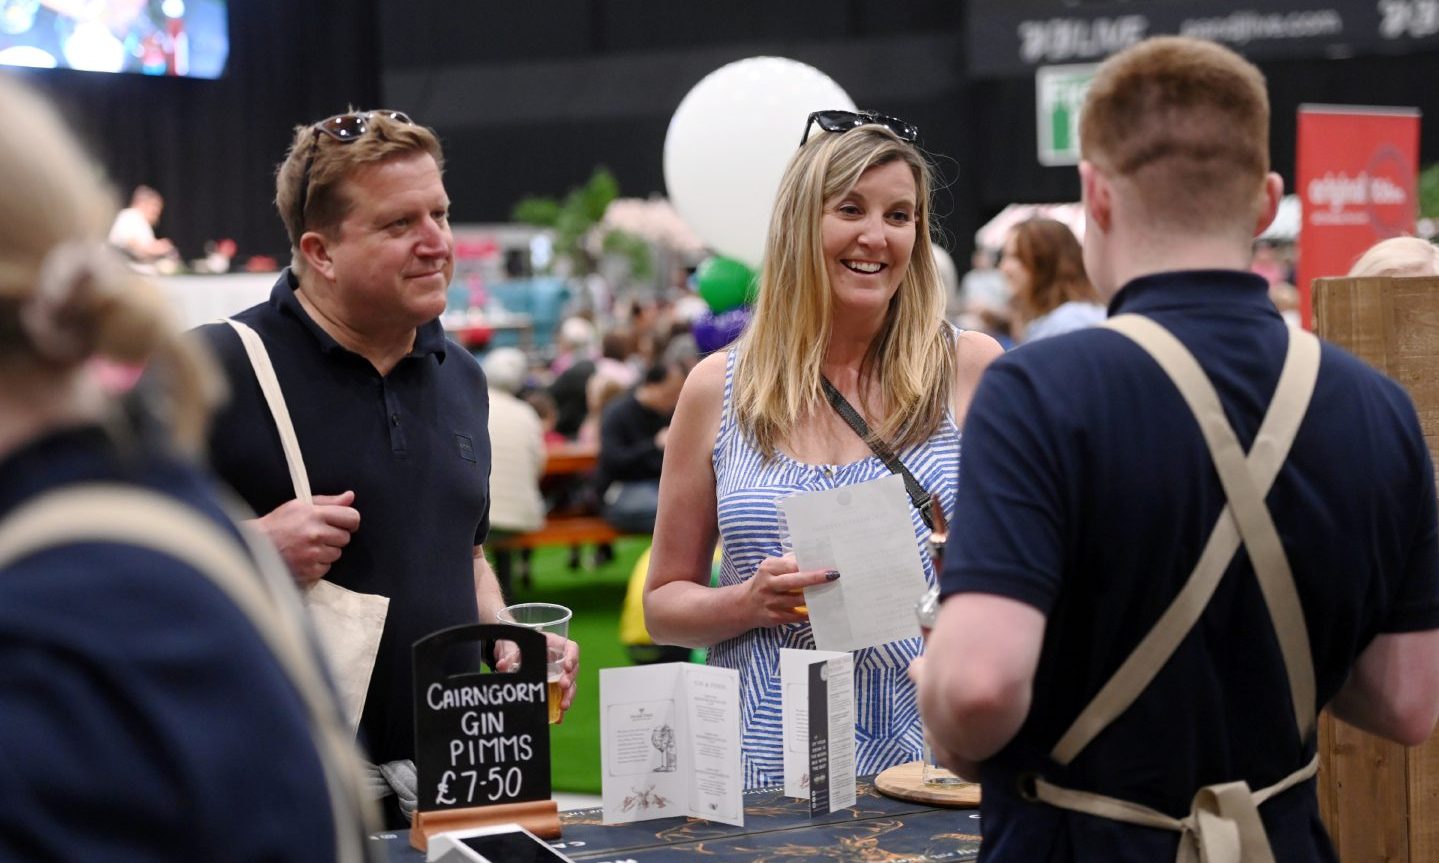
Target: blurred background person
1398,256
615,374
142,714
632,448
1268,263
544,407
573,366
849,293
133,231
1285,298
984,286
517,455
1044,266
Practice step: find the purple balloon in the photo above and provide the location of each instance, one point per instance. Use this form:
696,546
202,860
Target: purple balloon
714,331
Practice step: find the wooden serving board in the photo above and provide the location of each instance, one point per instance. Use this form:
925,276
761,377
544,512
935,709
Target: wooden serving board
906,782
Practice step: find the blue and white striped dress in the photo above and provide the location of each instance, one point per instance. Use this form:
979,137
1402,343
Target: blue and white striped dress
747,487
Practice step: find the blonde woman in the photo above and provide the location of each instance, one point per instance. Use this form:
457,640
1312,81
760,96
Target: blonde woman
848,292
143,715
1398,256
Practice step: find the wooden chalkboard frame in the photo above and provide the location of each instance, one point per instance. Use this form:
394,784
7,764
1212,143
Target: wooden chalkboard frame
482,738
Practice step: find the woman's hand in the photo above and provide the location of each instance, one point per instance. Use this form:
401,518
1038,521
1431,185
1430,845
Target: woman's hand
775,593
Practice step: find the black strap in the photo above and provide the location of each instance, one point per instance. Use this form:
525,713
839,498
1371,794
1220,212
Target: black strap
918,496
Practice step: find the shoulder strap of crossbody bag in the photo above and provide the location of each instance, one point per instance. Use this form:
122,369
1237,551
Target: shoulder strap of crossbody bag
922,500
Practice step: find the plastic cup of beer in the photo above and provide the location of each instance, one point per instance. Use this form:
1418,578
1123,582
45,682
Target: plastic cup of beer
551,619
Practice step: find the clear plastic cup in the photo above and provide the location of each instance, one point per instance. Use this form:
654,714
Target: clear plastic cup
927,610
552,619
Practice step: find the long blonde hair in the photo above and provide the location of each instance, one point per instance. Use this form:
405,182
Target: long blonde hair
65,297
777,377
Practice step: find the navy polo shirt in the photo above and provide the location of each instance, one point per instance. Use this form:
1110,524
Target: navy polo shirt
411,444
142,718
1087,492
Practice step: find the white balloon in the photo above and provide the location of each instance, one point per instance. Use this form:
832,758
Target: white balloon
729,142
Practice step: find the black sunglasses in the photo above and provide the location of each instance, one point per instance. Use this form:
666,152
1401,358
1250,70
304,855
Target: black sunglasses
843,121
347,129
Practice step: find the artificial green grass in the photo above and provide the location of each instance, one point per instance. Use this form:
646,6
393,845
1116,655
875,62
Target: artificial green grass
595,595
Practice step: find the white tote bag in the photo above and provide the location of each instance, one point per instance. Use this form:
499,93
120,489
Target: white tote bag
349,624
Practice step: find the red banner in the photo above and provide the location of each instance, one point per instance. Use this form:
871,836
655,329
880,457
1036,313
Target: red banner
1357,170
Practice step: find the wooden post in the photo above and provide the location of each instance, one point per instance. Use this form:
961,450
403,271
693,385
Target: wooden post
1379,800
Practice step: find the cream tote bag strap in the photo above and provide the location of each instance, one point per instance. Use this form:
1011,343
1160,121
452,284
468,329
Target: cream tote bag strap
349,623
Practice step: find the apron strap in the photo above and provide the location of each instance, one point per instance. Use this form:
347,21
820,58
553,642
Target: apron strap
1246,482
1223,825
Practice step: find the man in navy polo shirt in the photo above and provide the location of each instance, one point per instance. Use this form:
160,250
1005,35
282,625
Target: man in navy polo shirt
390,415
1181,535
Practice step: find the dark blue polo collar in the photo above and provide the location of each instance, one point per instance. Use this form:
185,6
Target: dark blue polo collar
1242,292
429,337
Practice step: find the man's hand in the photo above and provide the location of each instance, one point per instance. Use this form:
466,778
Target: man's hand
961,767
507,658
310,536
569,671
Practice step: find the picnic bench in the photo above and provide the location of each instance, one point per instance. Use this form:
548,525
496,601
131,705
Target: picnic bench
565,524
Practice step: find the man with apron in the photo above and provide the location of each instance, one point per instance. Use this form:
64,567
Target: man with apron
1180,535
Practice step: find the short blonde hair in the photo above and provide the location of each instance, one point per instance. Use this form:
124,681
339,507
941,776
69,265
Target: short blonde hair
1398,256
333,162
912,361
65,297
1186,121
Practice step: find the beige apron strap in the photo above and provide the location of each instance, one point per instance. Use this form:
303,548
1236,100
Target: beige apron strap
1271,446
275,400
1223,825
145,519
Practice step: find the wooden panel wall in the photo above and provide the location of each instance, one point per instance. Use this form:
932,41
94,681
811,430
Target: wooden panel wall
1380,800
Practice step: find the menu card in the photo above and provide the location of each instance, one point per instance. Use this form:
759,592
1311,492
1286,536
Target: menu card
817,704
865,532
670,743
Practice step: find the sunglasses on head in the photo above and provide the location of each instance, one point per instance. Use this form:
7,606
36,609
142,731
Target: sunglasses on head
347,129
843,121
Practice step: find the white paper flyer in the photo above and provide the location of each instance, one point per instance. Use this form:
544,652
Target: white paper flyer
864,531
670,743
831,734
794,708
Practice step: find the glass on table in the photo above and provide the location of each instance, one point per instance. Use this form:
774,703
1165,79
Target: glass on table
927,610
551,619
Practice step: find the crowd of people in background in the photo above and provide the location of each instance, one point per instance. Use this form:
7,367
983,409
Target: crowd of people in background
853,367
1034,285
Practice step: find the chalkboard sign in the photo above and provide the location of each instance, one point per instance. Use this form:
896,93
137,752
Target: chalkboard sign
481,738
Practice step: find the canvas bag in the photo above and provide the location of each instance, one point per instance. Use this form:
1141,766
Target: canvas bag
349,623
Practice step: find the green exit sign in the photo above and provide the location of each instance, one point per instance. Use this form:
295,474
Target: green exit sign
1058,96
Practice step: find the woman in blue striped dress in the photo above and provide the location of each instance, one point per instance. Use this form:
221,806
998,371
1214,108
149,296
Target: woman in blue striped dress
849,291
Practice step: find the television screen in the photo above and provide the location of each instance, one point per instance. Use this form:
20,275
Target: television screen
152,37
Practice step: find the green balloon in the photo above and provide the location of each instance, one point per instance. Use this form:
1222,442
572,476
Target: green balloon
725,283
